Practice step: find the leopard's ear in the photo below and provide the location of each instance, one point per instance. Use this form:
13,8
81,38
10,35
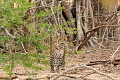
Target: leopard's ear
58,35
66,37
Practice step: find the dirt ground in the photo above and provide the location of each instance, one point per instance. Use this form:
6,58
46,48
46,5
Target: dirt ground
82,73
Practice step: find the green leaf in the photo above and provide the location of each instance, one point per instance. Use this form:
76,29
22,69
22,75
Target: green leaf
79,52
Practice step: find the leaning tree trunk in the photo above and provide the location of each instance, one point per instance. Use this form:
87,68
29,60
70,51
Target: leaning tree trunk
69,17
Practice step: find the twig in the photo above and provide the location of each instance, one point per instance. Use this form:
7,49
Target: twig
51,8
113,56
23,47
98,43
6,31
25,74
103,37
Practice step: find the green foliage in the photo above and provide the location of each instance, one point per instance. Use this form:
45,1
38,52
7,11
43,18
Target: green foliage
70,30
10,15
8,69
48,12
79,52
4,58
28,60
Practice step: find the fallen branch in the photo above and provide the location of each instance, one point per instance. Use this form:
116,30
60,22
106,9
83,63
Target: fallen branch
25,74
47,77
82,65
73,68
8,77
104,62
101,73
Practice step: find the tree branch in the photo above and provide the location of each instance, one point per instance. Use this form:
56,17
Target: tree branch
83,65
7,32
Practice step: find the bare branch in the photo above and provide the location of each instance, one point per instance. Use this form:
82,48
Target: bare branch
101,73
23,47
113,56
7,32
83,65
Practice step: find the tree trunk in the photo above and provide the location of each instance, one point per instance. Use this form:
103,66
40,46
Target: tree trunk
69,17
78,17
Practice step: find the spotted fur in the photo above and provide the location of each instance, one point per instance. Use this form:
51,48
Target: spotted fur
57,55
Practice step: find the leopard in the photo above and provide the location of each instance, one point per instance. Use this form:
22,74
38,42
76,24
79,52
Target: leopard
57,54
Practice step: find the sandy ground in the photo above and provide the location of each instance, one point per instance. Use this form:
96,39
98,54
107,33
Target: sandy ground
88,54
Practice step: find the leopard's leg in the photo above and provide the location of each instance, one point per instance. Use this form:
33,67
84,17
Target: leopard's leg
52,65
63,62
56,65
